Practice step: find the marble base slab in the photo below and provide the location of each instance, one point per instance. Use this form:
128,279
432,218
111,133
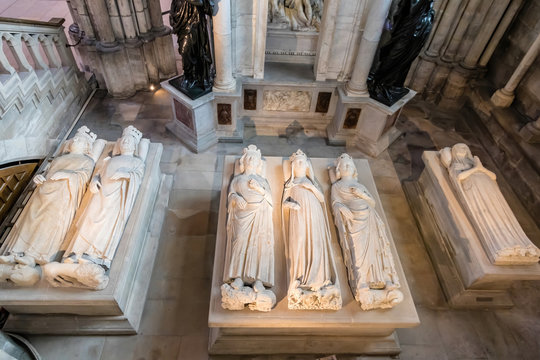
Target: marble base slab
468,278
349,330
117,309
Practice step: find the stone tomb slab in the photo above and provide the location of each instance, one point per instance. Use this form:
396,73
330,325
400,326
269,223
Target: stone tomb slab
282,331
469,279
117,309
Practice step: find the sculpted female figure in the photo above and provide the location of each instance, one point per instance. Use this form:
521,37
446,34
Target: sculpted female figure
496,225
99,228
249,261
364,242
39,231
312,275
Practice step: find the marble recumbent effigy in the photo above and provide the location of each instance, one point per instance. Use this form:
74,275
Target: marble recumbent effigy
108,241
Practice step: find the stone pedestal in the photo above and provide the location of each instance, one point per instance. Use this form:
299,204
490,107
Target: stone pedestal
468,278
193,122
117,309
365,123
349,330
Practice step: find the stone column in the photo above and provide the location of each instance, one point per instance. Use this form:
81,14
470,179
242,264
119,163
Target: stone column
102,25
505,96
509,15
445,24
496,12
156,18
376,18
224,80
461,29
531,132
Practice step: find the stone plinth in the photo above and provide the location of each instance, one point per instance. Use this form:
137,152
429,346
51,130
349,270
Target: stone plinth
468,277
117,309
365,123
194,122
349,330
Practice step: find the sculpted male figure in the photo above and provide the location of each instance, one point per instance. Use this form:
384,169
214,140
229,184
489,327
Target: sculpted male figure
363,238
39,232
249,265
100,227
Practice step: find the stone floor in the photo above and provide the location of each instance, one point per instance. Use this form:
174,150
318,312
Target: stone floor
174,324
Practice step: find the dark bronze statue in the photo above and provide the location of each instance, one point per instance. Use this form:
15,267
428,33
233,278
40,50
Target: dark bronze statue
191,21
406,31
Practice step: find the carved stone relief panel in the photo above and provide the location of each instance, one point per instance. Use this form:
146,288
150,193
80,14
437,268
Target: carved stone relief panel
351,118
224,112
296,15
250,99
323,102
286,100
184,114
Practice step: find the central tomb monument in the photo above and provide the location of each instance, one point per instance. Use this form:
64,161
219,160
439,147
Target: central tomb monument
307,261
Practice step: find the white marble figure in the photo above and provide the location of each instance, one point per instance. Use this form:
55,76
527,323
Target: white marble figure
312,276
495,223
39,232
249,261
100,226
364,242
296,15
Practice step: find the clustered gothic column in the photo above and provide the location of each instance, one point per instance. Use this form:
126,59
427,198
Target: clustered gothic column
505,96
463,39
376,18
224,80
126,44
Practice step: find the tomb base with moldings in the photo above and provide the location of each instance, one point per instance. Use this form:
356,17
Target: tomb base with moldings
349,330
194,120
365,123
117,309
468,278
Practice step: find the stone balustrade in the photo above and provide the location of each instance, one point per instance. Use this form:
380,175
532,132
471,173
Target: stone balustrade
41,88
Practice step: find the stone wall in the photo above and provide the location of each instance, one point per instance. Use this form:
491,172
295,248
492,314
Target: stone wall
41,88
509,53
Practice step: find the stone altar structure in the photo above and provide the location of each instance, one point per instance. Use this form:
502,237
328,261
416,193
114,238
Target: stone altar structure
318,75
349,330
116,309
250,237
469,277
363,239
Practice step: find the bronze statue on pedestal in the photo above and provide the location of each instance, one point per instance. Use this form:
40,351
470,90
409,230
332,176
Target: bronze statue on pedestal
191,21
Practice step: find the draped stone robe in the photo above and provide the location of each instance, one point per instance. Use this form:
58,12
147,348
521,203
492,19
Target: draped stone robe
309,238
250,234
45,220
490,213
365,244
100,227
